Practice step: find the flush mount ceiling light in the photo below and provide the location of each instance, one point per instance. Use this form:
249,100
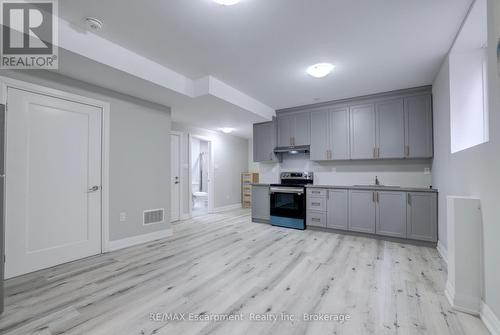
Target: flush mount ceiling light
227,130
320,70
227,2
92,23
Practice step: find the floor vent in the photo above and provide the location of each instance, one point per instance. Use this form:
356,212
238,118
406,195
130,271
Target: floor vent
153,216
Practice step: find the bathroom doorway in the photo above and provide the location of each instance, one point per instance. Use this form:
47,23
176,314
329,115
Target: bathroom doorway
200,175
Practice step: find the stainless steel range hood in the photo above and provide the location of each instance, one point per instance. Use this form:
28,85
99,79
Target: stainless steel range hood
292,149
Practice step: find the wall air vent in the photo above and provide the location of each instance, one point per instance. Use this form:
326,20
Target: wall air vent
153,216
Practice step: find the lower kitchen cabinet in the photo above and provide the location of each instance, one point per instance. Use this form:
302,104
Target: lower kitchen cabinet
362,211
421,217
337,207
391,213
316,219
261,203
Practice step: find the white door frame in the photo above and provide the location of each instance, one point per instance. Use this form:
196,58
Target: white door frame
210,172
181,174
105,107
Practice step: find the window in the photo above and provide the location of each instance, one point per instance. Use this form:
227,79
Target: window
468,82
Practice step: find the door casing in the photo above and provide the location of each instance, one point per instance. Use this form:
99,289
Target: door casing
6,82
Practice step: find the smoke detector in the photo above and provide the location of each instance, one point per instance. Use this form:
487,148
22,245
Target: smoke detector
93,24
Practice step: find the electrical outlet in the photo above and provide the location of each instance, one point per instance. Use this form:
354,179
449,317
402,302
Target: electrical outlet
123,217
427,171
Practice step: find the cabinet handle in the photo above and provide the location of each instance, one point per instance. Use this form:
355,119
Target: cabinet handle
407,150
315,219
374,152
373,196
315,204
409,199
327,195
378,199
378,152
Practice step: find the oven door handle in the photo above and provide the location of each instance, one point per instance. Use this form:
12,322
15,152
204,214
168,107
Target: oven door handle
286,190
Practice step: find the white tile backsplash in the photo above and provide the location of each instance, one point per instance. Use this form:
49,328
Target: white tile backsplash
410,173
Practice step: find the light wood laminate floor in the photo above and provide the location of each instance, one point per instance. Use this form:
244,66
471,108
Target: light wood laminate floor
225,264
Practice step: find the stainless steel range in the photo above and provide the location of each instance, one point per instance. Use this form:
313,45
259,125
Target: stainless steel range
288,200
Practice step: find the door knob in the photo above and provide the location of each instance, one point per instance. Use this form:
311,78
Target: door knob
94,189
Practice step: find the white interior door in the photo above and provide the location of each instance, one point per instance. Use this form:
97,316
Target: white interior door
175,172
53,160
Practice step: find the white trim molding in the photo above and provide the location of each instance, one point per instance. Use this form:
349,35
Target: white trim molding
139,239
225,208
490,319
442,251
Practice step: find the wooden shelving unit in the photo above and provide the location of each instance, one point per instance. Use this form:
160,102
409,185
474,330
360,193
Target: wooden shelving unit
247,179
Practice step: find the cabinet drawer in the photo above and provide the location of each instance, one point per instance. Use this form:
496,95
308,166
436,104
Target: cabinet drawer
316,192
316,204
316,219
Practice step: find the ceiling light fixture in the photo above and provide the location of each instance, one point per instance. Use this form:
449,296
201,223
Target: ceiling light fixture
92,23
320,70
227,130
227,2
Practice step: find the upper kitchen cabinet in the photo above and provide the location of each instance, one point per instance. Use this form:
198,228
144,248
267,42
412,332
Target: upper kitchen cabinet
320,135
330,134
390,129
294,129
418,127
362,131
264,142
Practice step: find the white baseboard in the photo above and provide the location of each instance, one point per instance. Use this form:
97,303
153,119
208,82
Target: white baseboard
131,241
490,319
225,208
460,302
442,251
185,217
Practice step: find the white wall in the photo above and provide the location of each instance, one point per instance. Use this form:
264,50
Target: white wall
139,152
230,160
474,171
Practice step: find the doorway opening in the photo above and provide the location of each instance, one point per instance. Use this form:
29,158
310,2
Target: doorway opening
199,168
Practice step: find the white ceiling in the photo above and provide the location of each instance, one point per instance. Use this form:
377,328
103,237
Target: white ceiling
262,47
206,111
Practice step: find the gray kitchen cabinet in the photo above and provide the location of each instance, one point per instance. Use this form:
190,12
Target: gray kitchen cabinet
330,134
260,203
264,142
337,209
390,129
391,214
421,217
362,211
316,219
285,130
362,131
294,129
339,134
418,126
302,129
320,135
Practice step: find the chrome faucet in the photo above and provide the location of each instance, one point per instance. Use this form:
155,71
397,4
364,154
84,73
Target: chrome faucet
377,182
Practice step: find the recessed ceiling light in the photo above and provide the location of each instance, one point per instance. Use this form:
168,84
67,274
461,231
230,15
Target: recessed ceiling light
320,70
227,130
227,2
